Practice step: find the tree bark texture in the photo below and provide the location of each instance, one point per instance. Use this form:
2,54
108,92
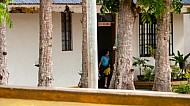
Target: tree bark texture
113,79
124,74
45,45
162,81
4,74
84,75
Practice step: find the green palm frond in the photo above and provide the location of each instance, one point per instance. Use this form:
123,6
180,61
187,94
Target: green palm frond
111,6
4,14
157,7
139,61
187,56
176,6
180,59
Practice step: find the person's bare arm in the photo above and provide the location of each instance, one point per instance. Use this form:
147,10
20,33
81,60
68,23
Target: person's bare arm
99,65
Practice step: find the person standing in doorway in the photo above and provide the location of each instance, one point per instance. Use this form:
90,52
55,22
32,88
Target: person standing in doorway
104,67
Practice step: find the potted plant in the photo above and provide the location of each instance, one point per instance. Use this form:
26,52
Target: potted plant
180,59
148,74
141,64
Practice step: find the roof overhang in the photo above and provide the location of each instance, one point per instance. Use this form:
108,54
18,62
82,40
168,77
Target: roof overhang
77,8
185,9
55,7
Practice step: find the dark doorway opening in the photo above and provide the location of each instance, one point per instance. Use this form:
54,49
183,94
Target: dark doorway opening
106,39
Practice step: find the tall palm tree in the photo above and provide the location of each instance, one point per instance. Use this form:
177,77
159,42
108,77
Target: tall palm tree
45,46
161,10
162,81
4,74
126,20
84,74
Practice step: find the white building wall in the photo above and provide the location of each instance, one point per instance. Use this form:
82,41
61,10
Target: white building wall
22,45
187,34
178,41
67,63
23,41
136,45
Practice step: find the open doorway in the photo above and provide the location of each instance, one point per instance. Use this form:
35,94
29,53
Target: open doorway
106,38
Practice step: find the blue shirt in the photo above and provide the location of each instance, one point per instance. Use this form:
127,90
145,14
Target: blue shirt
105,60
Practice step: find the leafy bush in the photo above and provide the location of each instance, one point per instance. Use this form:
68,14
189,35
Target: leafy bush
182,88
148,73
152,51
175,71
187,74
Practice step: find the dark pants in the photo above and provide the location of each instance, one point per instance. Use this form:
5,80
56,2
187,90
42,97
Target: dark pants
102,68
101,81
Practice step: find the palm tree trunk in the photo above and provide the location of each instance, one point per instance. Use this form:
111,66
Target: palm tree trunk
84,75
45,46
4,74
162,81
124,73
113,79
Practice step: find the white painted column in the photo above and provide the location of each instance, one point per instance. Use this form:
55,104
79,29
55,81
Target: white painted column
92,47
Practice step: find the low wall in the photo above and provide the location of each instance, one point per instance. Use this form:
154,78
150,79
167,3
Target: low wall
149,84
99,96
